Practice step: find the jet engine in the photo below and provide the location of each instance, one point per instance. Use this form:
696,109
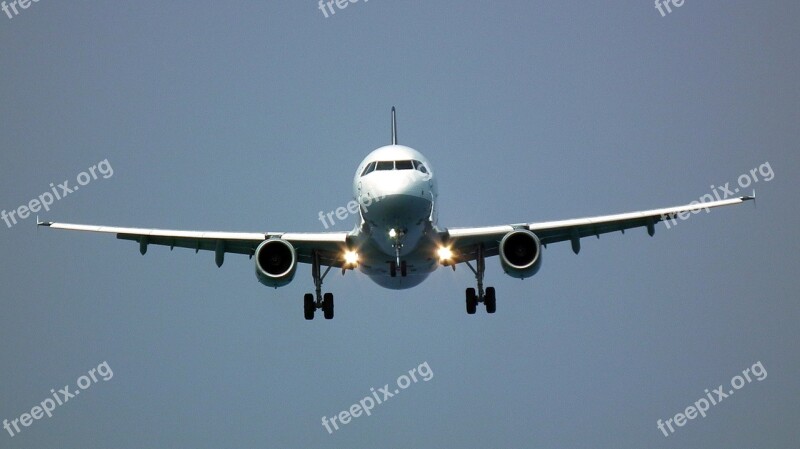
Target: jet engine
520,253
276,262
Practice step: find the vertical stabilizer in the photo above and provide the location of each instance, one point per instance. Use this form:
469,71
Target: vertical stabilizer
394,127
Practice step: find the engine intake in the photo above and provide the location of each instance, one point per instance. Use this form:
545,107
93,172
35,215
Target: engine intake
276,262
520,253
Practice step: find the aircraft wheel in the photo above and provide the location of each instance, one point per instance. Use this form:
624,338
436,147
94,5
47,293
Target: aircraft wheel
327,305
472,301
490,300
308,306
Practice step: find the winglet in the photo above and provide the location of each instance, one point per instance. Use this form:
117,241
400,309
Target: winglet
42,223
394,127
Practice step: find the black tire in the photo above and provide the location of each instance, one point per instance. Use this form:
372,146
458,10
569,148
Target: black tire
308,306
392,269
472,301
327,305
490,300
403,269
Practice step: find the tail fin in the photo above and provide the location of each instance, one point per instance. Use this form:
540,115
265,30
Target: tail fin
394,127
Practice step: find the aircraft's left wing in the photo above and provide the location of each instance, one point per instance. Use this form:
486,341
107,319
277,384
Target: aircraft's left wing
465,241
328,245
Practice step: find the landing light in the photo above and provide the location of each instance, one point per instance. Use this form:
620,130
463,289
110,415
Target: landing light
445,254
351,258
392,233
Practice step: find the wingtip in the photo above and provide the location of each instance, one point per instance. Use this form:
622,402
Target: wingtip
42,223
751,197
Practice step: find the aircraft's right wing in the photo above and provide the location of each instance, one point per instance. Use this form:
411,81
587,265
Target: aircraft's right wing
329,245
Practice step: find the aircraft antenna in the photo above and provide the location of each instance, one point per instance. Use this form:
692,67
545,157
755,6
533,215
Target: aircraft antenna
394,127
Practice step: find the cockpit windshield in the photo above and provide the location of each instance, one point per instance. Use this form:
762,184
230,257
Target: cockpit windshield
368,169
385,165
394,165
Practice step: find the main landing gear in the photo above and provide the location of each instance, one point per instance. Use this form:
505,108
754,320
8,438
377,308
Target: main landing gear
311,302
487,297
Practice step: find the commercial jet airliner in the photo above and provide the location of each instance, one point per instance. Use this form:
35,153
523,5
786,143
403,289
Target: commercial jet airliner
397,241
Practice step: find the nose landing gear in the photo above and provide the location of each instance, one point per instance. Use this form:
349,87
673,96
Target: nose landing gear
397,237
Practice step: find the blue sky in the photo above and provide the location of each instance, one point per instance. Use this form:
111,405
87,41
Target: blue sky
253,116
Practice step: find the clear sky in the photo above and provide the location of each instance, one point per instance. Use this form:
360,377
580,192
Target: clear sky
253,116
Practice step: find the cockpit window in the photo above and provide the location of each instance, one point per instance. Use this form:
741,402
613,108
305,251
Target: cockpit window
368,169
403,165
394,165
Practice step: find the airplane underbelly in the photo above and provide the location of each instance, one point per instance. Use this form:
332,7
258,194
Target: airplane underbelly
398,282
406,214
376,265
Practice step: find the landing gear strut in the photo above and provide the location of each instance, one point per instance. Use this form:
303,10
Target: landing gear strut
397,245
312,302
487,297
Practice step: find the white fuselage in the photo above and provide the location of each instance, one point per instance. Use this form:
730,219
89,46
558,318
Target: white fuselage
396,190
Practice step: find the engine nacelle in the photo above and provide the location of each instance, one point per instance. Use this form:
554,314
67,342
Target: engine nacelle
520,253
276,262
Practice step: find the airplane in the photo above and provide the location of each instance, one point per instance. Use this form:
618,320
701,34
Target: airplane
397,241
